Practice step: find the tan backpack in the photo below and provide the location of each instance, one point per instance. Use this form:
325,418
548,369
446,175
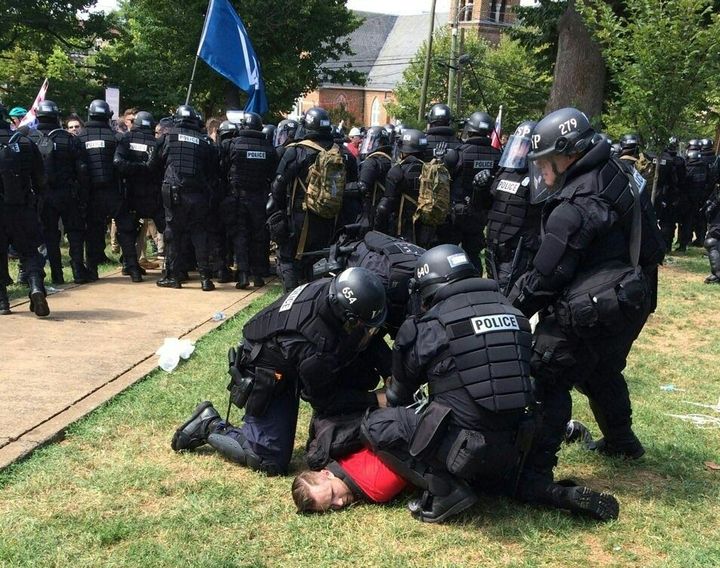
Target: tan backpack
325,181
433,203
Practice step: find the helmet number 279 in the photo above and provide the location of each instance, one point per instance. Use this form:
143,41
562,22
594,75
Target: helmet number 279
567,126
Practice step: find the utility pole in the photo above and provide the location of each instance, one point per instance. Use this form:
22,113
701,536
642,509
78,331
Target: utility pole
428,57
453,66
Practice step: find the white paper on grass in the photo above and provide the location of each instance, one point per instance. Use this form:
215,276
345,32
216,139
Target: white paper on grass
172,350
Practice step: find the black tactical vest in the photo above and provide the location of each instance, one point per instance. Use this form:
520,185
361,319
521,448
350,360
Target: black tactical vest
437,134
473,158
373,171
303,311
251,162
138,145
61,160
511,211
100,142
697,177
187,157
16,162
489,343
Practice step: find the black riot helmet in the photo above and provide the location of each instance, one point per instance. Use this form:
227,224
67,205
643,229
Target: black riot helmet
672,144
99,110
514,156
48,109
376,139
285,132
694,155
439,115
412,142
357,298
438,267
564,132
694,144
144,119
706,144
186,113
390,129
615,149
226,130
317,120
630,144
268,132
251,121
479,124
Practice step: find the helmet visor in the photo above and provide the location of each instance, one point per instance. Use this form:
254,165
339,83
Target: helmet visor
370,143
539,190
515,154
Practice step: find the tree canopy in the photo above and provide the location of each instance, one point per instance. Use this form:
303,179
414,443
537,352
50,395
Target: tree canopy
508,75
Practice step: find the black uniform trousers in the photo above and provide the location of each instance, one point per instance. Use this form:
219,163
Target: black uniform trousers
319,233
19,226
104,204
562,360
188,218
59,205
251,240
503,267
468,231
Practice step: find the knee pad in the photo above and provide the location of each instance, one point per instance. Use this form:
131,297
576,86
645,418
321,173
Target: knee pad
233,450
711,243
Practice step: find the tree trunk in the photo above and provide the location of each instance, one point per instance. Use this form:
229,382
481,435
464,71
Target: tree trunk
579,79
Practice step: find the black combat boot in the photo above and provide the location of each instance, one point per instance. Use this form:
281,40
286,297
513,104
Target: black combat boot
258,281
195,431
92,273
445,496
80,273
37,295
575,498
242,280
169,281
206,282
4,301
629,448
134,272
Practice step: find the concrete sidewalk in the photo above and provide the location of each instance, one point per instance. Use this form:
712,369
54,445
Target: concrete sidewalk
48,377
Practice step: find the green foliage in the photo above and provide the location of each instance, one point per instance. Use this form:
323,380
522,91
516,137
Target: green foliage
537,29
665,60
509,75
152,56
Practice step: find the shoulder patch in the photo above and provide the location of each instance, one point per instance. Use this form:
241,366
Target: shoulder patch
508,186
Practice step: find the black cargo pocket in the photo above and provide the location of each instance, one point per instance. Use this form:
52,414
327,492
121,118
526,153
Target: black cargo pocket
263,391
467,456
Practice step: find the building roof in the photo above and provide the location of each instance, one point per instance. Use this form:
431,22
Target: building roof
385,44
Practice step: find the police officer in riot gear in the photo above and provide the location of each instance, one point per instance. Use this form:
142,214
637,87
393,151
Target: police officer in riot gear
293,226
671,178
472,348
395,210
249,163
22,180
513,229
66,197
712,238
105,200
470,201
698,189
319,342
141,185
439,129
376,161
222,222
284,134
268,131
587,280
188,165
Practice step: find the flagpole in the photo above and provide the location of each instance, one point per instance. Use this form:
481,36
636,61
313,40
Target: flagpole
197,55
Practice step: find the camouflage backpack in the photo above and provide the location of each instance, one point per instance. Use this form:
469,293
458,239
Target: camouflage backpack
325,181
433,203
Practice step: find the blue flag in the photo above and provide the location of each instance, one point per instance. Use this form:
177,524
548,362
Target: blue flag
225,46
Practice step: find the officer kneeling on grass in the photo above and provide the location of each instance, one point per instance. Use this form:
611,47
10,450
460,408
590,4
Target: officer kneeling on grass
318,342
473,349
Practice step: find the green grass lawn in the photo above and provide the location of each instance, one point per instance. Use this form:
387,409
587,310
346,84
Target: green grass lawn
113,493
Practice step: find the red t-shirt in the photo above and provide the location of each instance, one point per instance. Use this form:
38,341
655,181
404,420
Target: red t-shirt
371,475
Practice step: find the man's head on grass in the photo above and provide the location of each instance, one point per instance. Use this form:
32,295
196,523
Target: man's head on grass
320,491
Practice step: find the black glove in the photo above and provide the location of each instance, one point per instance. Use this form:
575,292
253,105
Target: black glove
482,179
278,227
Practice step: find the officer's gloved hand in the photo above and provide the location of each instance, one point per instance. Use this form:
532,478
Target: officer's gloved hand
271,206
482,179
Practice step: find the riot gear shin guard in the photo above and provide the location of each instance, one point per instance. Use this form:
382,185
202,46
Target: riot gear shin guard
712,245
232,447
